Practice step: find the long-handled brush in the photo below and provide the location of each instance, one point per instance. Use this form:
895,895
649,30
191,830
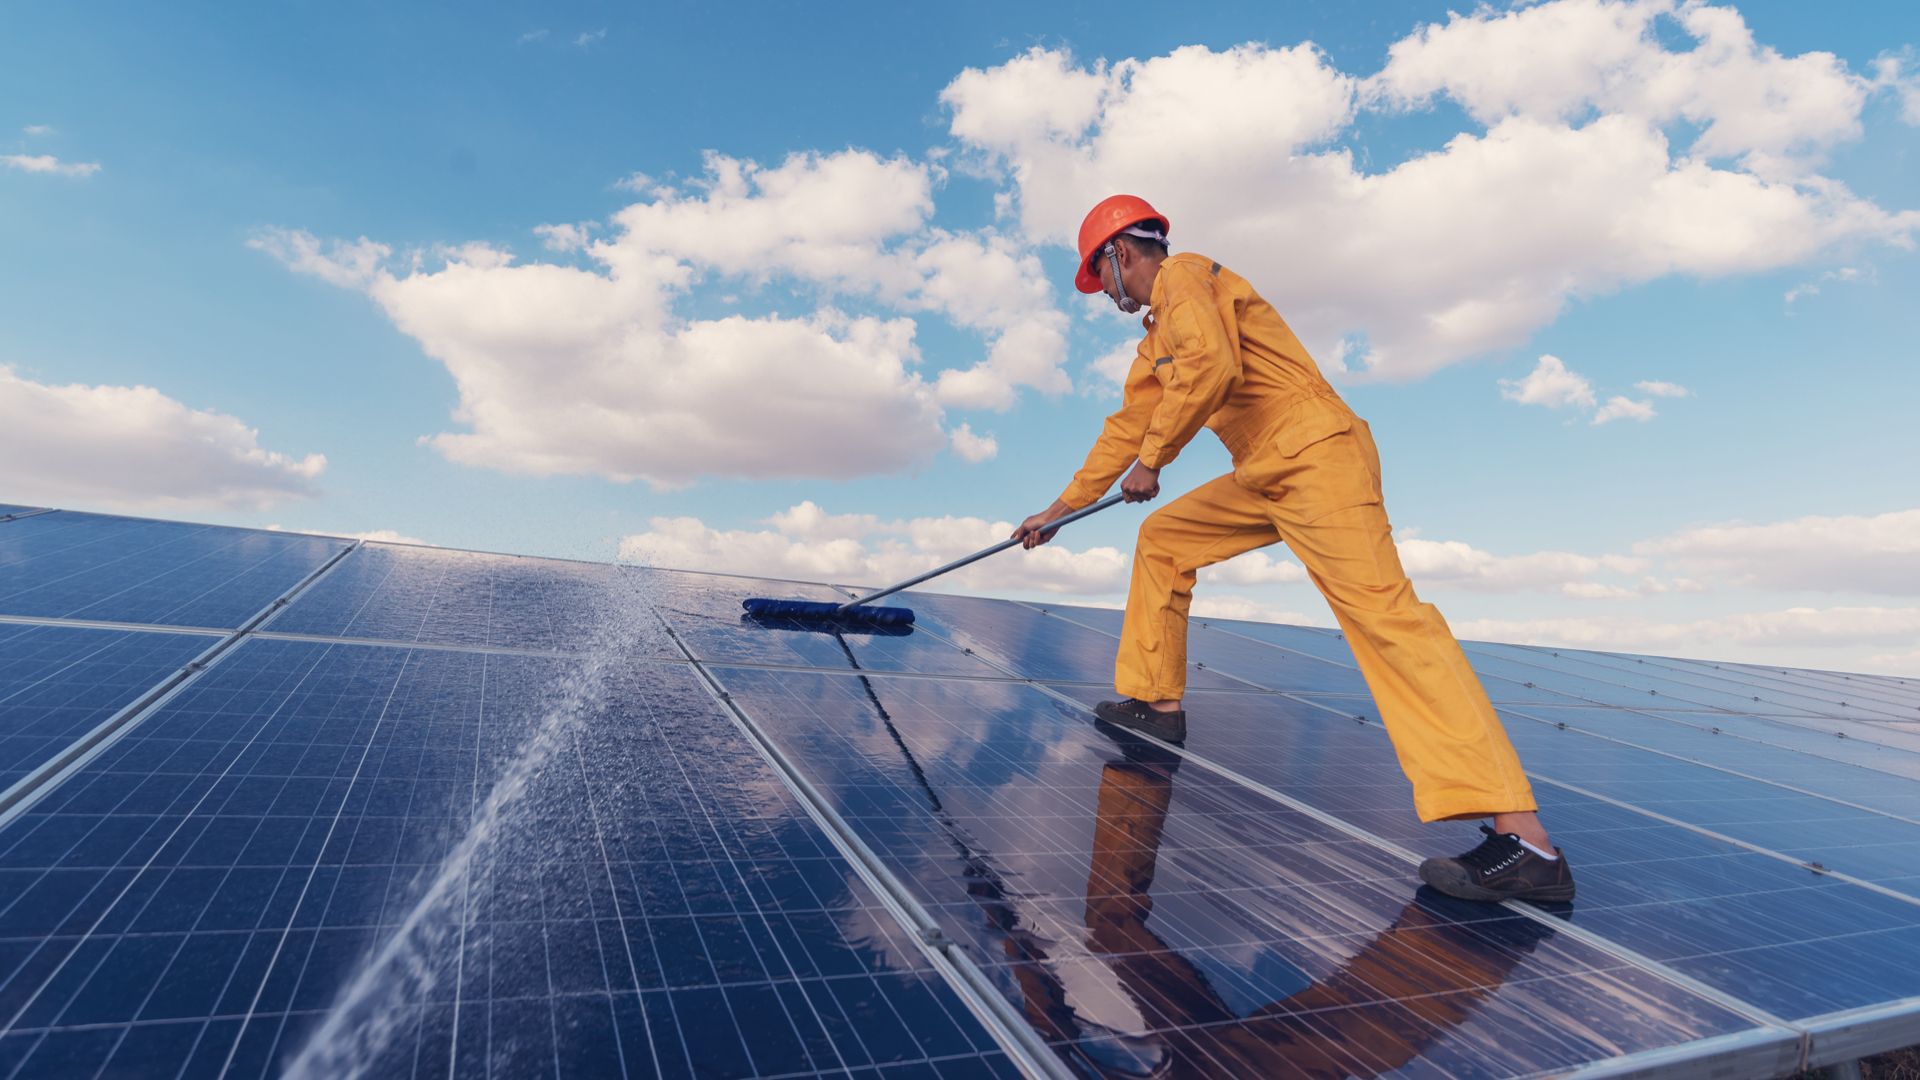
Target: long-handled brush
857,611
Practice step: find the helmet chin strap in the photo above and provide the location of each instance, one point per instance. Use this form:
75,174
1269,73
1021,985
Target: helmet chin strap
1128,304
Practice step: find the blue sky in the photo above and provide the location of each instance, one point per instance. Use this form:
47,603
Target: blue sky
312,230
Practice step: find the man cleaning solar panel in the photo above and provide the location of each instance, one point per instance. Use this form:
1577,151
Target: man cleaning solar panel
1305,470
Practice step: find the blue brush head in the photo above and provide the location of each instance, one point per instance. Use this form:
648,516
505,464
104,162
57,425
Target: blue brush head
814,610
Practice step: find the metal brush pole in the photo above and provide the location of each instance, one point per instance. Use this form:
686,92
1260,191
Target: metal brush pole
978,555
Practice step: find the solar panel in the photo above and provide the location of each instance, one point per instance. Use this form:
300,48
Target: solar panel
10,509
1026,643
704,610
1672,891
89,566
446,812
1242,935
308,861
400,593
58,683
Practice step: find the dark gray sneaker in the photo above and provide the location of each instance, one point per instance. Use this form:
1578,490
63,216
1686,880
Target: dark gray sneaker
1136,715
1501,868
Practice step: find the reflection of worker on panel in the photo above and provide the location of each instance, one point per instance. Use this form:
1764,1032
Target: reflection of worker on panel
1436,970
1305,471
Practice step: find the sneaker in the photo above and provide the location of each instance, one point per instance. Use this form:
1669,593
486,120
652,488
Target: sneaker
1501,868
1136,715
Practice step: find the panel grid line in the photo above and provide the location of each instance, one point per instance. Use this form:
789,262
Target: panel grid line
1020,1042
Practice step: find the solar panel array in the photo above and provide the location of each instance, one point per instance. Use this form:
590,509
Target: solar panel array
275,804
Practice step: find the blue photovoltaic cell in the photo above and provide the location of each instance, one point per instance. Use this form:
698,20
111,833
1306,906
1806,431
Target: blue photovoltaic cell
393,592
1028,643
1743,922
319,859
1644,682
1834,691
533,850
1819,743
57,683
1688,736
1152,918
704,609
89,566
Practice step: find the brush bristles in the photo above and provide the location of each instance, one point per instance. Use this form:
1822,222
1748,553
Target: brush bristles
814,609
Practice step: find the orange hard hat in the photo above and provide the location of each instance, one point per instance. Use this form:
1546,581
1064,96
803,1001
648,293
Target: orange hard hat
1109,219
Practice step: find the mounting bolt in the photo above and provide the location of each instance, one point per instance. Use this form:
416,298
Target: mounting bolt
932,936
1562,725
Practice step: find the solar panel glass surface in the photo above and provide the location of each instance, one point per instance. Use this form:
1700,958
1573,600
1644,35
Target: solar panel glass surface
57,683
524,846
393,592
90,566
326,857
1147,914
704,610
1019,640
1673,890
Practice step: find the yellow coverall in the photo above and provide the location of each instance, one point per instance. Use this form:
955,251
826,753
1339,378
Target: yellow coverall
1305,471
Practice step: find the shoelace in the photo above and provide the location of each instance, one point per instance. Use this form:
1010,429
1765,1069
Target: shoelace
1497,852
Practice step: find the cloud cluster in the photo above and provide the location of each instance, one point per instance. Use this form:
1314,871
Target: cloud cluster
1553,385
568,369
1796,628
1875,554
134,448
1606,157
49,165
806,543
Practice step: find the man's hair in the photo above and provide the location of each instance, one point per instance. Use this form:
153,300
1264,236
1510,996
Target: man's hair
1143,246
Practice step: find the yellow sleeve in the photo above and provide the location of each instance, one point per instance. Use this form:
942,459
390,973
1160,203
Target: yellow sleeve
1119,439
1203,370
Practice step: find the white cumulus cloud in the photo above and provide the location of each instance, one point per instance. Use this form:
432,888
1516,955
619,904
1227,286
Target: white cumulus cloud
974,448
1623,408
1461,565
1254,568
1800,627
1875,554
1583,176
134,448
1549,384
806,543
1662,389
591,369
1246,610
49,165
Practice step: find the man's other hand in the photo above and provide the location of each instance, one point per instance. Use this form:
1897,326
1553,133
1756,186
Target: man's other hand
1141,483
1033,532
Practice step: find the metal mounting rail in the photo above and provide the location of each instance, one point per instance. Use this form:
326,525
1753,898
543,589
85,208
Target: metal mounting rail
18,514
1022,1044
50,774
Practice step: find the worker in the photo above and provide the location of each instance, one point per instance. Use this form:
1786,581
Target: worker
1305,470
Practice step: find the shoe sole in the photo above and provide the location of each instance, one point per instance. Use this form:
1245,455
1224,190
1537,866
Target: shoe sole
1138,727
1461,889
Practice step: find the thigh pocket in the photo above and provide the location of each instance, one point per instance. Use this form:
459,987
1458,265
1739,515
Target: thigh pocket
1314,467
